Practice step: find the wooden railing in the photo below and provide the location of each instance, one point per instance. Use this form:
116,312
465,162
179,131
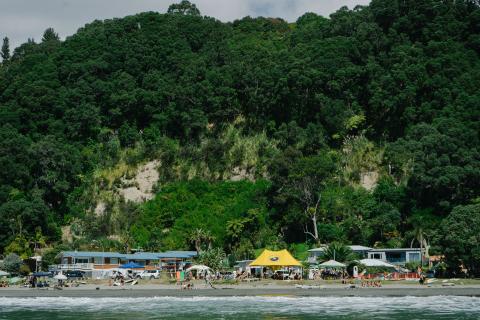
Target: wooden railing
73,266
97,266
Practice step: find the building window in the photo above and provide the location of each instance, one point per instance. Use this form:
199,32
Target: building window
377,256
397,257
81,260
414,256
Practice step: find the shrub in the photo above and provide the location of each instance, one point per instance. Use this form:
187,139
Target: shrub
12,263
213,258
24,270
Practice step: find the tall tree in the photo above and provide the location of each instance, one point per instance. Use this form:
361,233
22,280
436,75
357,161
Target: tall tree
308,178
461,238
185,8
50,35
5,52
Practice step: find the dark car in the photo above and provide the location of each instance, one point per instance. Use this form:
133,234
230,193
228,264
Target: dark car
280,275
75,274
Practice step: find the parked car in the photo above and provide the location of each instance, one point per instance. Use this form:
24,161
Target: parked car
75,274
228,275
149,274
280,275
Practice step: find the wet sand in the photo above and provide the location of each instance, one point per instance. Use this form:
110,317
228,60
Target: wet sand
226,291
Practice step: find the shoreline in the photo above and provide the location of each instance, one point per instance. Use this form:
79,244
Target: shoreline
153,291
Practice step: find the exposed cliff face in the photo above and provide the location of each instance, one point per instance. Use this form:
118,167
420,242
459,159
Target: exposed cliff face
135,186
369,180
142,184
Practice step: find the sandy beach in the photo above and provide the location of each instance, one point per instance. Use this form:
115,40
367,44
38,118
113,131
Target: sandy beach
158,290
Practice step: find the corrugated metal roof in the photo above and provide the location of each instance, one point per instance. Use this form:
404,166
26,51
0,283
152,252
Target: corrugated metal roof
353,247
359,248
190,253
134,256
142,256
394,249
91,254
174,255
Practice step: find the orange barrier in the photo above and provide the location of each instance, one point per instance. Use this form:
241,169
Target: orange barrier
392,276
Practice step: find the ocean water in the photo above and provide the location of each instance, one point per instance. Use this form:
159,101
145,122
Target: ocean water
411,308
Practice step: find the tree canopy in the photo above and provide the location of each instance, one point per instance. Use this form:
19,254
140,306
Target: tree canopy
375,109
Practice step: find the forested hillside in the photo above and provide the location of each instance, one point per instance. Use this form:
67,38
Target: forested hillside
359,128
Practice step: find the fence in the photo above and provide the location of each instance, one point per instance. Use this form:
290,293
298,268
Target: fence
74,266
393,276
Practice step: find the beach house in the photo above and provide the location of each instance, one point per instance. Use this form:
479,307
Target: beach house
396,256
315,254
93,260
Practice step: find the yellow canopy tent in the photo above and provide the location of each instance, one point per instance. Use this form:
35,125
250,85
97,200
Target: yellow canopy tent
275,260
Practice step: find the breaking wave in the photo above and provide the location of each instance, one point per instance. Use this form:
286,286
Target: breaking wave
435,307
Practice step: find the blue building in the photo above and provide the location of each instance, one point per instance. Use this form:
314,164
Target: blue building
93,260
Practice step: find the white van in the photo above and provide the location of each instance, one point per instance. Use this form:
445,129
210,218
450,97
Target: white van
149,274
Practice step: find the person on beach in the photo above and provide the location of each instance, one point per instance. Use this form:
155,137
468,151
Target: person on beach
205,278
422,279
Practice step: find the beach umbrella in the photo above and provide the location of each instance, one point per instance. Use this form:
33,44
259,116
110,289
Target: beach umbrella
198,267
332,264
60,276
131,265
3,273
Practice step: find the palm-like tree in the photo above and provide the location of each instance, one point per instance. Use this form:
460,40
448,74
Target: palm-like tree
338,252
419,236
235,228
209,238
196,237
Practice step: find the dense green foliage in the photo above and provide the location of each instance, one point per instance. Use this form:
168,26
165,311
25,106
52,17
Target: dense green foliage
462,237
212,258
227,210
364,125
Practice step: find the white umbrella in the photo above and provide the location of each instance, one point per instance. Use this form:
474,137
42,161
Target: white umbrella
332,264
199,267
60,276
376,263
3,273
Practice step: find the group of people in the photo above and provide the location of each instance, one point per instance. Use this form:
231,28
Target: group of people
118,278
292,275
34,282
326,274
3,284
371,283
329,274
